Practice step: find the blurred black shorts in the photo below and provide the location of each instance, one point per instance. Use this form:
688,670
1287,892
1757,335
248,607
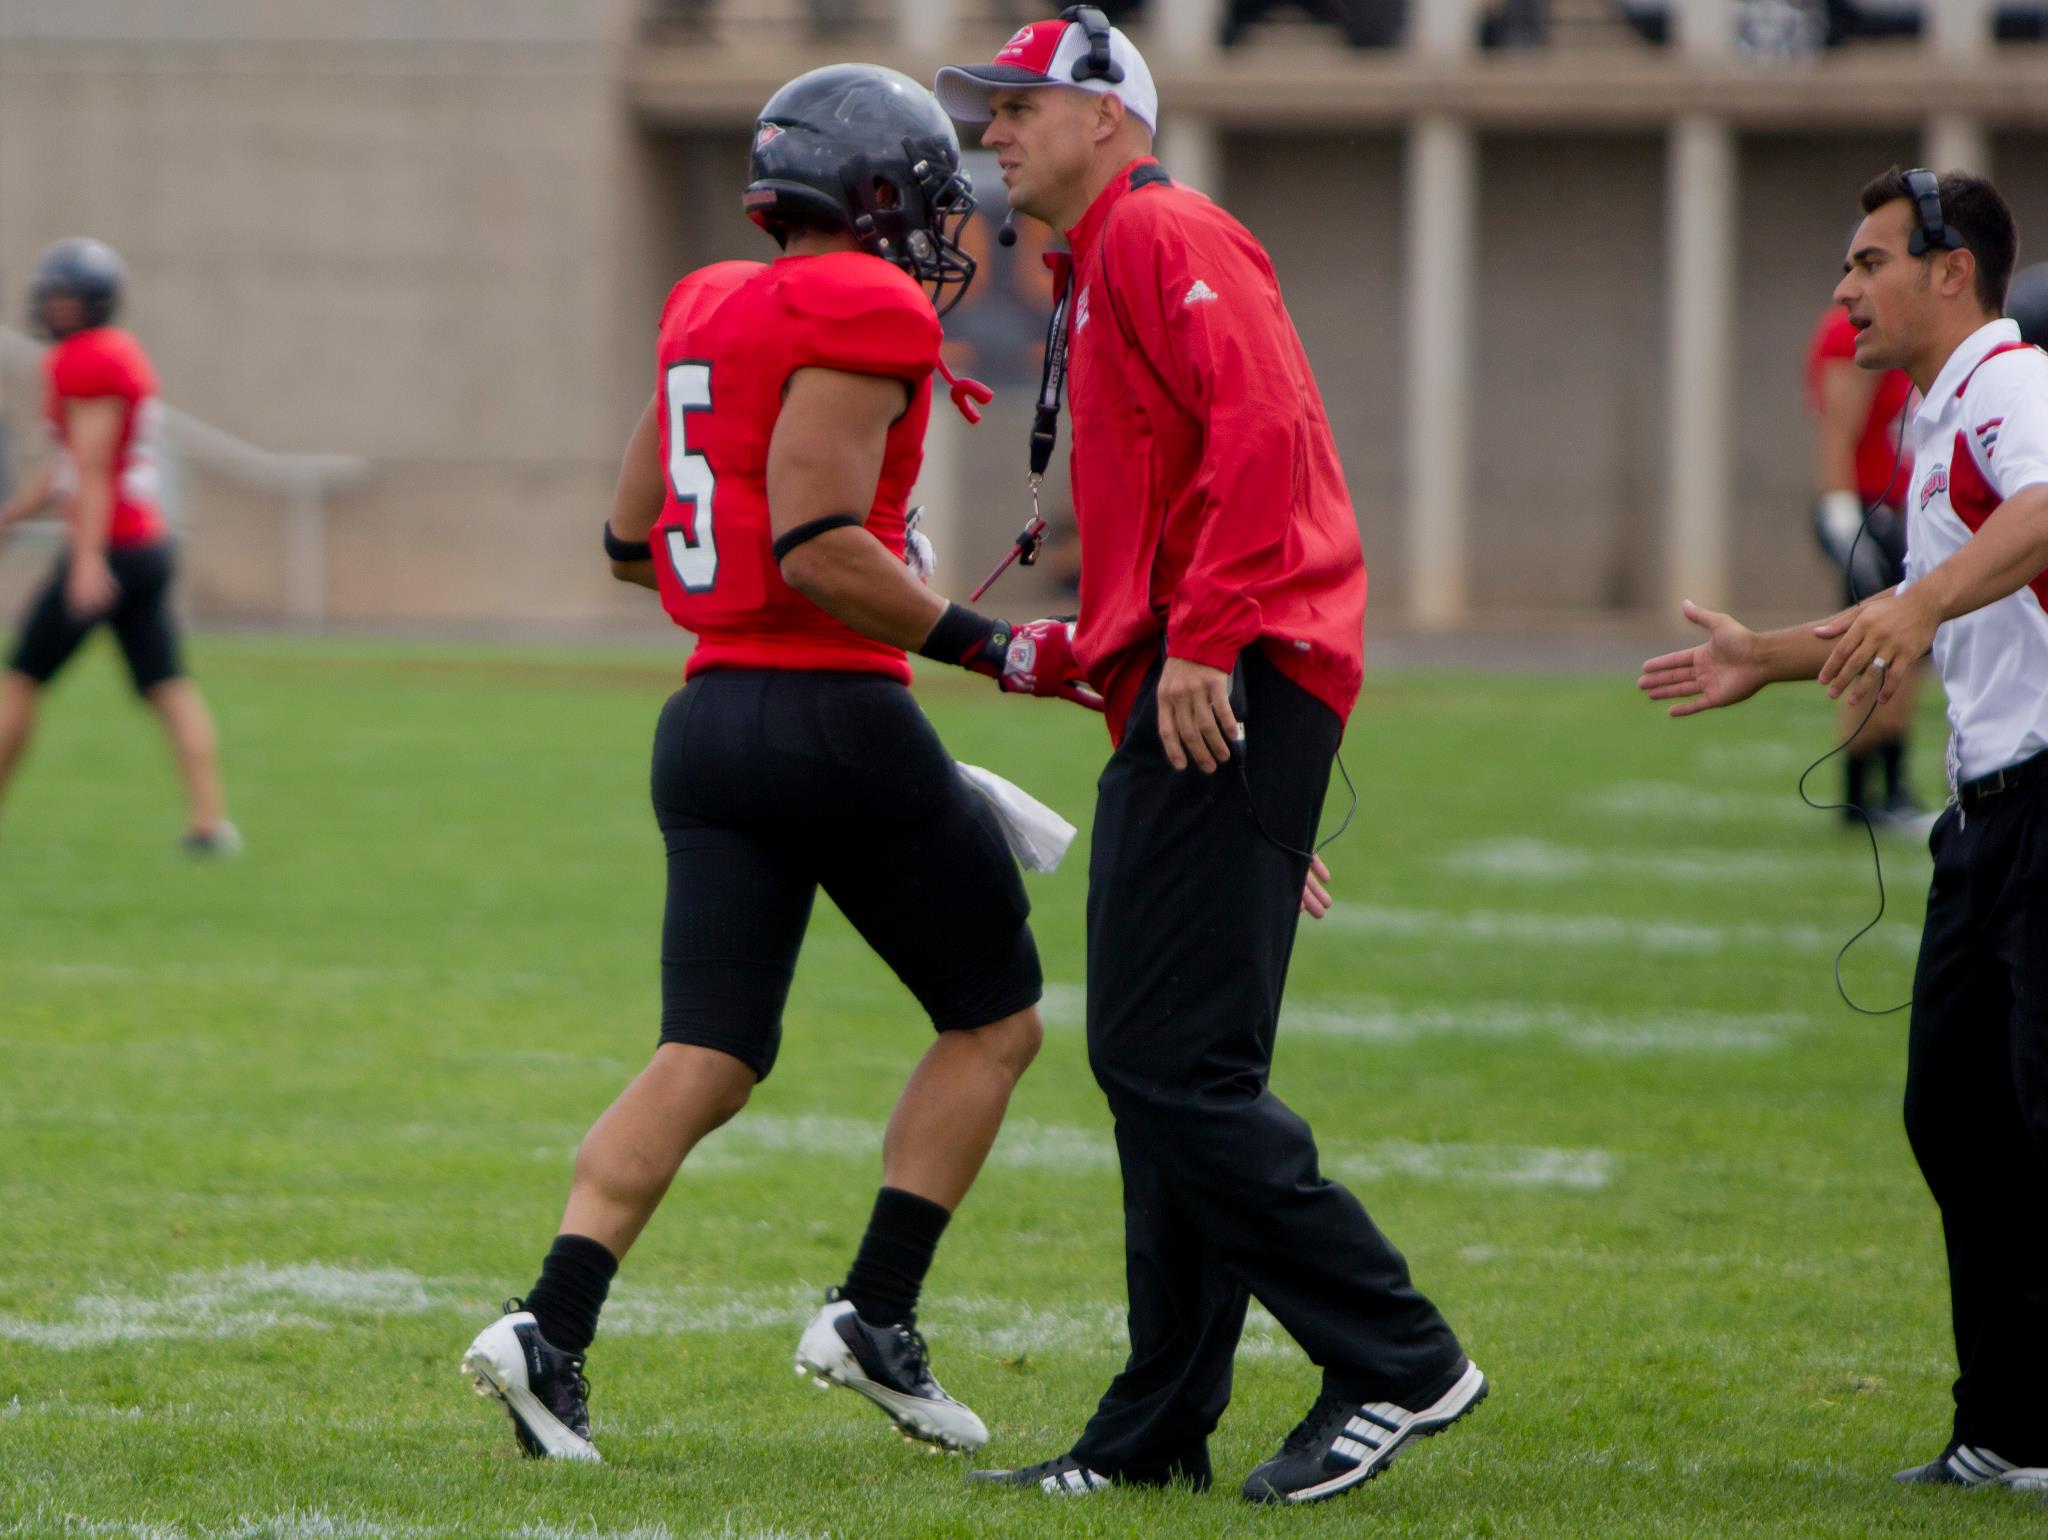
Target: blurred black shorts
140,620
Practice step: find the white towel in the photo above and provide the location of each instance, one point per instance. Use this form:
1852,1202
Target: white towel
1038,836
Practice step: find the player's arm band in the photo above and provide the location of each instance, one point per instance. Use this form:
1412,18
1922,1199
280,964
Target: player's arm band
625,550
790,539
963,637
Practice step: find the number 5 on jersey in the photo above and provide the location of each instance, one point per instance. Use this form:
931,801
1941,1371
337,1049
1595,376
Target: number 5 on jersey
693,552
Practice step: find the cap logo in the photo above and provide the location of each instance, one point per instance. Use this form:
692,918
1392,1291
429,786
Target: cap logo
768,131
1033,46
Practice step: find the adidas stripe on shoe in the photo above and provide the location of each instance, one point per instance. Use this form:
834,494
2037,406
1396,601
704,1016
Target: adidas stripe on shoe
1342,1444
1064,1476
1972,1465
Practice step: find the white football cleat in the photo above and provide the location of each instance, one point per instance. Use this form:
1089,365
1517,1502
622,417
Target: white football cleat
541,1387
892,1368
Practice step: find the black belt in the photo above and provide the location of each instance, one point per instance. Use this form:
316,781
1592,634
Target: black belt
2025,773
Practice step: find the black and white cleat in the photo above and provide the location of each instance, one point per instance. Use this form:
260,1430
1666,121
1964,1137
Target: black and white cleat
1064,1476
892,1368
541,1387
1972,1465
1343,1444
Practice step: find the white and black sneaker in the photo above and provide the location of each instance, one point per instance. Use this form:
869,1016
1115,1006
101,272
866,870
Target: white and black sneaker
892,1368
1343,1444
1972,1465
1062,1477
542,1387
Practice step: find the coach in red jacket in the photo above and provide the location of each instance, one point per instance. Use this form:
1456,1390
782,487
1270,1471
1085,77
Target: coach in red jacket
1218,549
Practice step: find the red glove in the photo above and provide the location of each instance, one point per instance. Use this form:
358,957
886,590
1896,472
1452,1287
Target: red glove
1040,661
1032,659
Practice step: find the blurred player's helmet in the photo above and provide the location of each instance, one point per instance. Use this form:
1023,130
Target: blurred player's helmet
2027,303
87,271
862,148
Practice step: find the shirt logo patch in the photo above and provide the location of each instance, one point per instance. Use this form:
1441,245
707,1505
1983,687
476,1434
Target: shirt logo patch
1199,293
1936,482
1987,435
1081,313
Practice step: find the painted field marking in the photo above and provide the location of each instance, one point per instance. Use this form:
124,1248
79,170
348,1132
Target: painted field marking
1612,932
1540,861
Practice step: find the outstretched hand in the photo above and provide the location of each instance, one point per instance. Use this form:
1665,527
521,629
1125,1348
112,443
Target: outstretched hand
1876,646
1721,671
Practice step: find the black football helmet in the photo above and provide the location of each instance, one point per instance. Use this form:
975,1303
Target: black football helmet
85,270
2027,303
865,149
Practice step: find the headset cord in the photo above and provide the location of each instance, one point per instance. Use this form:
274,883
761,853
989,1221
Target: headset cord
1869,828
1244,779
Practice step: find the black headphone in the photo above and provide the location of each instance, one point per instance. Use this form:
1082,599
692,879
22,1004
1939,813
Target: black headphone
1934,231
1095,27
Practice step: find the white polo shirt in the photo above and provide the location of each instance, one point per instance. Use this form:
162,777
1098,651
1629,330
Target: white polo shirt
1978,438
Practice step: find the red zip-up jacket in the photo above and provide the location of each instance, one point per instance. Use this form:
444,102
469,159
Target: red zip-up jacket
1211,505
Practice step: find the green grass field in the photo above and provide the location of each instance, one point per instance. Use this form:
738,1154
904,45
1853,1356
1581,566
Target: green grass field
277,1136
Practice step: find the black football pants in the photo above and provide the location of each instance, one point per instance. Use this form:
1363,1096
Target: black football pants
1977,1106
1191,920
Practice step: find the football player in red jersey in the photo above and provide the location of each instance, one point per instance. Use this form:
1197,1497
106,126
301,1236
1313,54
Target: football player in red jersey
103,418
1858,419
763,494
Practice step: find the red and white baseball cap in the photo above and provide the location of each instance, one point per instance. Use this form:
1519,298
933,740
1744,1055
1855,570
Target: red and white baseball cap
1050,53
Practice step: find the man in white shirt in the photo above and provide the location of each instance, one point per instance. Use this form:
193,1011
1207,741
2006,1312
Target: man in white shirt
1925,285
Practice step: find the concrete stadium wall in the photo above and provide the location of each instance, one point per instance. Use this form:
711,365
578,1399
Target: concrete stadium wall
421,252
434,235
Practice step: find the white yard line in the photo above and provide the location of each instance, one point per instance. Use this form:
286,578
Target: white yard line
1543,861
1611,932
1675,1030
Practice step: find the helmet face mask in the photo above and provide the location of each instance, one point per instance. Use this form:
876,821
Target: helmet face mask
864,149
83,270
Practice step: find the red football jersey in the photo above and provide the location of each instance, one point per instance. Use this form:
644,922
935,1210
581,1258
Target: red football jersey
731,336
1877,450
106,361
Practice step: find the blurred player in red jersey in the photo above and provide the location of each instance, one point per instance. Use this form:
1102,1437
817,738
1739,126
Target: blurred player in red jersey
763,493
104,421
1858,419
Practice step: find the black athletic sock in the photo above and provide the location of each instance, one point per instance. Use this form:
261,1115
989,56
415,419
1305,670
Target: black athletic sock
1893,756
1855,772
575,1276
894,1256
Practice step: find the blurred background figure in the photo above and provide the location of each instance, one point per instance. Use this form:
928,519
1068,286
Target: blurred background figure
1860,465
2028,303
105,427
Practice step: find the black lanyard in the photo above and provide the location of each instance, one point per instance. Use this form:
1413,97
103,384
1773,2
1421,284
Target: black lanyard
1045,422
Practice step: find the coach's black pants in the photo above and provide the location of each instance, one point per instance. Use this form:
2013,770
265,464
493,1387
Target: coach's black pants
1191,919
1977,1106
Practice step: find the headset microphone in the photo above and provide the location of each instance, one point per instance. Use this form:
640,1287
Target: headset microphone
1006,235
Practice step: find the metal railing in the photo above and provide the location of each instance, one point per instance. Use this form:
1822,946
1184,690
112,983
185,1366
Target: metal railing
305,482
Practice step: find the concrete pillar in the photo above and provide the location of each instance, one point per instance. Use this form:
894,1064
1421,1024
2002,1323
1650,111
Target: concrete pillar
1955,141
1441,223
927,26
1700,196
305,554
1443,28
1192,151
1704,29
1958,29
1190,28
